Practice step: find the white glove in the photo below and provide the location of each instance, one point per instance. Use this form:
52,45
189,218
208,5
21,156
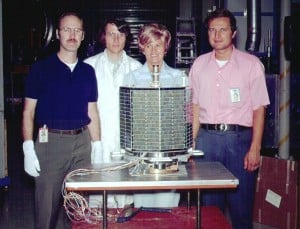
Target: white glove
96,155
31,162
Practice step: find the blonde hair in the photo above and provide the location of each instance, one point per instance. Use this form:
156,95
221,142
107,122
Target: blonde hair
154,31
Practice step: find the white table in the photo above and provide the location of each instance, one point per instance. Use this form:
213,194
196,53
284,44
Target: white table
196,176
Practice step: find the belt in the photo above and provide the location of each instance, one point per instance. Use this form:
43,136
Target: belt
68,132
224,127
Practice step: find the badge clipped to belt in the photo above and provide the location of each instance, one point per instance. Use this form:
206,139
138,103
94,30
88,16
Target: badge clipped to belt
43,134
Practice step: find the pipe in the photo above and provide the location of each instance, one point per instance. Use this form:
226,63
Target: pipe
284,111
253,25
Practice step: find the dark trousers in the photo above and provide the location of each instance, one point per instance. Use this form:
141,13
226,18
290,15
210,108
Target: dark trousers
230,148
62,154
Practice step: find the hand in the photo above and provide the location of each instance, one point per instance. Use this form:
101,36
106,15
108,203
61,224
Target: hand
31,162
252,161
96,155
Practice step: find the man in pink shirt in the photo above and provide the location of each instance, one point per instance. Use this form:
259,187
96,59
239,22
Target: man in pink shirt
229,99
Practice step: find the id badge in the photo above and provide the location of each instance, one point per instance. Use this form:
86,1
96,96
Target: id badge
43,134
235,95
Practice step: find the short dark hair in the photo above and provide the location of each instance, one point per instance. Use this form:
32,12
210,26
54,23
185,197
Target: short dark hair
222,13
121,25
70,13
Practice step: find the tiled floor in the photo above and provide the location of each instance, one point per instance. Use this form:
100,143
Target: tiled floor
16,201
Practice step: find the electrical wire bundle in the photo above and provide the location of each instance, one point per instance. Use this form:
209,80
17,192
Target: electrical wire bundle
76,204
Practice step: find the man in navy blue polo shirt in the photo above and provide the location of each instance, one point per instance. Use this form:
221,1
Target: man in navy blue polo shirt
61,98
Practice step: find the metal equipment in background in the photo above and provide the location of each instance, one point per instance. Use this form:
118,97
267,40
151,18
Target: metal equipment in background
185,47
271,129
4,179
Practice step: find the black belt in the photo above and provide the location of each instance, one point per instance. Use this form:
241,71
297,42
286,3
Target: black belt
224,127
68,132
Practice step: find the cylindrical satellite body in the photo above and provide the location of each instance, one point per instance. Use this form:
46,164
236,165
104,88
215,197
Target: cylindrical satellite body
156,125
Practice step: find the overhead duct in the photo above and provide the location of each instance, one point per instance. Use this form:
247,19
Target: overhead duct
253,25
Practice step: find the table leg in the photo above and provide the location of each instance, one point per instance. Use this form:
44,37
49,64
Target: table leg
189,200
198,211
104,209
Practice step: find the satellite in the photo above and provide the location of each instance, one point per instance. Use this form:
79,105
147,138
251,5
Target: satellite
156,126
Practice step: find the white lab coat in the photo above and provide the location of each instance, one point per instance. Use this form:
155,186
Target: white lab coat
109,81
110,77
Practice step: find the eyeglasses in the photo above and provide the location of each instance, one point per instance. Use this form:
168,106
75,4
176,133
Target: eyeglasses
115,35
70,30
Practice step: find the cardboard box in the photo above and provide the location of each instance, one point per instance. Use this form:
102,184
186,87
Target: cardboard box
276,193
